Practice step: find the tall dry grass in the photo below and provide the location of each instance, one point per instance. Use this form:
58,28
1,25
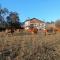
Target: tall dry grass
24,46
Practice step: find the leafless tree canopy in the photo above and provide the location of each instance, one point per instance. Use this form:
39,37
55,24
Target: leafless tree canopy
57,23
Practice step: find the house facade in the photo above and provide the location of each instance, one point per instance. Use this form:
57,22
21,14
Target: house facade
27,24
34,22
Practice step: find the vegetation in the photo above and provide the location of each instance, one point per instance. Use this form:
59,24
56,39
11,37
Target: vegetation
30,47
57,23
9,19
13,19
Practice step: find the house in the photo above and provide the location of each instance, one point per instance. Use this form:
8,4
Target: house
34,22
27,24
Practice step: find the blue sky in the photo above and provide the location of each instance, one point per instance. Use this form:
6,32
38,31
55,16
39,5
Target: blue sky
47,10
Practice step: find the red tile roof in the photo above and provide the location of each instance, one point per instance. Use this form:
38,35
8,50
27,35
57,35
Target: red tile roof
35,20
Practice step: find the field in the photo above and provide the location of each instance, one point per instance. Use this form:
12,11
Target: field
29,46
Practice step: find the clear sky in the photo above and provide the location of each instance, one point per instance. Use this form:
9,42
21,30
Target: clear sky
47,10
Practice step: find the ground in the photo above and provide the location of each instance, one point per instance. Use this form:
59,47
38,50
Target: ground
30,46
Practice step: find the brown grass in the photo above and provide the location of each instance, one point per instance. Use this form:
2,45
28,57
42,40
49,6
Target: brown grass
24,46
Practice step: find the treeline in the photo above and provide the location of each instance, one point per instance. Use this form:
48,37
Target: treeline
8,19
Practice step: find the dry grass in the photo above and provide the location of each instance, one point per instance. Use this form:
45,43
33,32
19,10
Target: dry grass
29,47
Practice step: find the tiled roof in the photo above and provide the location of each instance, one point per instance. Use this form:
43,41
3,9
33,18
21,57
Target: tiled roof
35,20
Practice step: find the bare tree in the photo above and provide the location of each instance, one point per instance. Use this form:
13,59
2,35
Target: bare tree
57,23
13,20
3,12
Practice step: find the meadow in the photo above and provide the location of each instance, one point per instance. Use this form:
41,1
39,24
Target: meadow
26,46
